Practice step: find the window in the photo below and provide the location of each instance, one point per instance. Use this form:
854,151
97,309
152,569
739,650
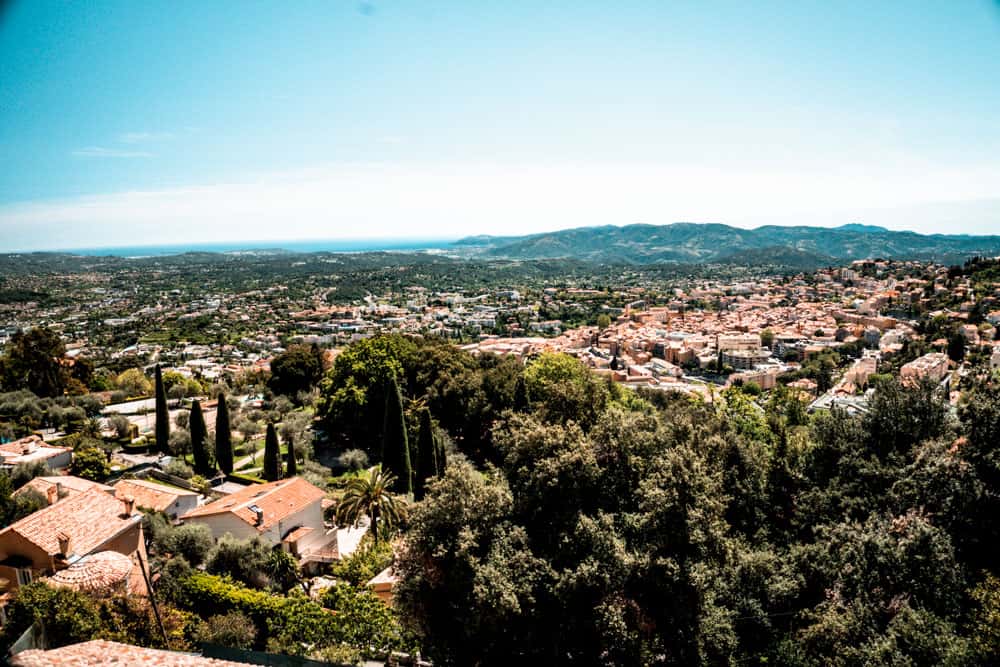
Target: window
23,576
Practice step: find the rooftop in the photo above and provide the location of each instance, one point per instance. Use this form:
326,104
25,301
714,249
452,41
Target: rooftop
102,652
277,500
89,518
150,495
99,572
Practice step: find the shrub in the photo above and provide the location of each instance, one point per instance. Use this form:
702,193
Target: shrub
353,460
234,629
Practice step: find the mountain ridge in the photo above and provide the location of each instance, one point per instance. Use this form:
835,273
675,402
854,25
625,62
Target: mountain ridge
679,242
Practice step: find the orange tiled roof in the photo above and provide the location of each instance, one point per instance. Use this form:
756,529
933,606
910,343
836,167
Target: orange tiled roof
100,572
149,495
102,652
70,485
89,518
278,500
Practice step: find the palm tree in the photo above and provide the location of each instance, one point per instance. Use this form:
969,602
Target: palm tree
370,496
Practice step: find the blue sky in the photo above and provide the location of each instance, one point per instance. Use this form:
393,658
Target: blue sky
124,123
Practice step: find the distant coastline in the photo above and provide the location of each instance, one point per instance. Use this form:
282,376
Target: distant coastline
301,246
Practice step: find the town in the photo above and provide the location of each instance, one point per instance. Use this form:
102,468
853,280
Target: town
101,498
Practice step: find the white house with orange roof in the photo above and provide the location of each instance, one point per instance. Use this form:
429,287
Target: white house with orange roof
288,512
32,449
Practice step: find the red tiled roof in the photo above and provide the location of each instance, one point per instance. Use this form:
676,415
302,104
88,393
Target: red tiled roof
102,652
150,495
278,500
89,518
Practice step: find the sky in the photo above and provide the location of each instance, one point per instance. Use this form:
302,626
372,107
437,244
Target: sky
138,123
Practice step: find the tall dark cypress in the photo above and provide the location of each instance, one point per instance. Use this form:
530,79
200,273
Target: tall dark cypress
162,415
427,465
291,467
198,433
442,456
223,437
272,455
395,444
521,401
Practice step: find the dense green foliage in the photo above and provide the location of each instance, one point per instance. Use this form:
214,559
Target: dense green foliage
33,361
297,369
625,530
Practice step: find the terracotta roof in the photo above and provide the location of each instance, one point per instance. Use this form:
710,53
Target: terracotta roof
98,572
102,652
150,495
277,500
70,485
89,518
31,448
297,534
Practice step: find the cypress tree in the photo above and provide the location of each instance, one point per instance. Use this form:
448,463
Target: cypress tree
162,415
291,467
198,432
272,455
427,464
521,401
442,457
395,444
223,437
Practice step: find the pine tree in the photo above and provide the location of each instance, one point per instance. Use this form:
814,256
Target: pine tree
223,437
395,444
272,455
427,464
162,415
196,424
291,467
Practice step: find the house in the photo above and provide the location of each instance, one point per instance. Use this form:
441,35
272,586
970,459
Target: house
287,513
104,652
33,448
59,535
157,497
383,583
59,487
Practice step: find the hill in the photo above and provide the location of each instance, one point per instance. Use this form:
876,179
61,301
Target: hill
801,246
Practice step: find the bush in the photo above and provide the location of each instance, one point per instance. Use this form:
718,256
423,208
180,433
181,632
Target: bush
192,541
89,462
353,460
179,468
246,561
234,629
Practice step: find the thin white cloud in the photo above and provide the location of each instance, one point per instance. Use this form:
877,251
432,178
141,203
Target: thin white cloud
377,200
101,151
144,137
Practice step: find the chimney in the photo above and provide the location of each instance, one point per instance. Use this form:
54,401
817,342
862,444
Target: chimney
52,495
260,514
64,544
129,505
59,490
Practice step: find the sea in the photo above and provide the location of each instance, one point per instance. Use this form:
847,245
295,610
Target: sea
328,245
